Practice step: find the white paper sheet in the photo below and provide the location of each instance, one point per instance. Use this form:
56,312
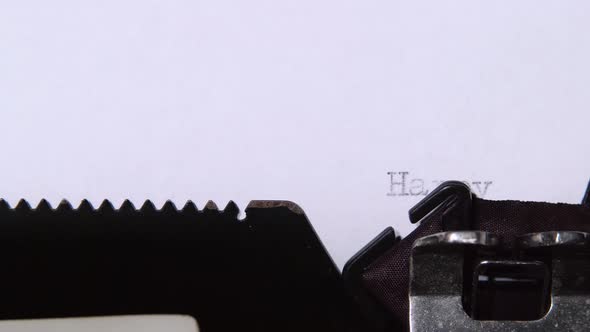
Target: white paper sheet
322,102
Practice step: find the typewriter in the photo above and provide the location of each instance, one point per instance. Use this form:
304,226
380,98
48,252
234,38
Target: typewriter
470,265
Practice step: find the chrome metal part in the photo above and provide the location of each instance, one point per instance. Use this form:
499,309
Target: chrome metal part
459,238
554,239
437,272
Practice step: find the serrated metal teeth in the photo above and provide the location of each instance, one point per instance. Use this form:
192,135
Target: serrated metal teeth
22,206
85,207
148,207
190,207
169,207
231,209
211,206
127,207
4,205
106,207
43,206
64,206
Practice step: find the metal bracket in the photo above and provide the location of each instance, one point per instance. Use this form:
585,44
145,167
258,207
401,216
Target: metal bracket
454,197
357,265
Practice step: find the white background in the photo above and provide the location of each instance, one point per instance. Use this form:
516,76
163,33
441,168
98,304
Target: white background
308,100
